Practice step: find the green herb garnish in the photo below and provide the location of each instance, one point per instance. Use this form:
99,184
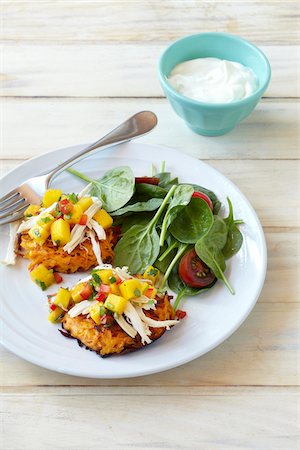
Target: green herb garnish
137,292
41,284
112,280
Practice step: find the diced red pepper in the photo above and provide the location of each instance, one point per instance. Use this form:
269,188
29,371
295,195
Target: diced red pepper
119,281
53,307
100,297
58,278
104,289
148,292
83,219
86,291
180,314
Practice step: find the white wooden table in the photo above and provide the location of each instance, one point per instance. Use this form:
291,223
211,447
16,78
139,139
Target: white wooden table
70,71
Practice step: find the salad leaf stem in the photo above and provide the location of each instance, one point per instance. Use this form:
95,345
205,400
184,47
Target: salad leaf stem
161,208
79,175
238,222
181,249
169,249
179,297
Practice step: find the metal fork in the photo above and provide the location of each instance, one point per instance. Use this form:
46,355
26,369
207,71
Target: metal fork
14,203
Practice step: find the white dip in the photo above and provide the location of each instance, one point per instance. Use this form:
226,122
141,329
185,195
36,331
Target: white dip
213,80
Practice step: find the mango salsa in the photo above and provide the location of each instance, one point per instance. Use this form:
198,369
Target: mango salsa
51,196
115,303
39,234
103,218
75,215
62,298
95,313
42,276
104,275
32,210
131,288
60,232
56,315
75,292
151,273
45,221
85,203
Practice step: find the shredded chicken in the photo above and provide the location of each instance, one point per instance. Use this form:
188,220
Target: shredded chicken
83,307
10,258
125,326
95,245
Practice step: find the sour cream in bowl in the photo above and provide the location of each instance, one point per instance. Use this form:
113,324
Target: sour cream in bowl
213,81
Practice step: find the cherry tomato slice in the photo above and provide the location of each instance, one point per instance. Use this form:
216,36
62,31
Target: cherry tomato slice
86,291
204,197
147,180
65,206
194,272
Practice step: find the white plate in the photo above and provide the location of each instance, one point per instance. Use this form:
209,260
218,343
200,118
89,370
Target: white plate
211,318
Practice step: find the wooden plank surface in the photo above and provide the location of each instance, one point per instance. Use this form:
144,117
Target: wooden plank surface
34,126
271,22
129,418
264,351
106,70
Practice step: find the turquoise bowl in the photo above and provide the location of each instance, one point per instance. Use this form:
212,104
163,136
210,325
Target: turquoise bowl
213,119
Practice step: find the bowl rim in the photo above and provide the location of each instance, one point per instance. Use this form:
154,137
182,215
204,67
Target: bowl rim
254,96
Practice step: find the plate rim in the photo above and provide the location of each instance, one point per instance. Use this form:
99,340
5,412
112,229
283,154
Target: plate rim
195,354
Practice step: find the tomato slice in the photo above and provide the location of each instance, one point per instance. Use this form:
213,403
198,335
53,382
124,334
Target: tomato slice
65,206
147,180
86,291
204,197
194,272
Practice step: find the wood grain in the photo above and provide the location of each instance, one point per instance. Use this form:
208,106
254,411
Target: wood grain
33,126
269,22
126,70
264,351
127,418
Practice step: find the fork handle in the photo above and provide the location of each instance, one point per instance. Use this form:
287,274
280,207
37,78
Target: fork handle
137,125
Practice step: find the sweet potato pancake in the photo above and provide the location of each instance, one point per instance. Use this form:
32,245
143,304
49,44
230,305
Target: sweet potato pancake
82,258
113,340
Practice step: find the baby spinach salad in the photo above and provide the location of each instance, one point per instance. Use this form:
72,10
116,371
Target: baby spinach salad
175,227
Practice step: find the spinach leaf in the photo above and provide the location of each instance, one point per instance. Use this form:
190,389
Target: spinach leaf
147,191
114,189
166,254
209,249
149,205
215,201
133,219
234,236
165,180
182,196
192,222
139,247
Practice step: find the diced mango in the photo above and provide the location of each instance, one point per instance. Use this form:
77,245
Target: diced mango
103,218
131,288
104,274
115,303
75,215
32,210
114,289
51,196
42,276
62,298
46,221
149,291
151,273
38,234
60,232
56,315
95,313
75,292
85,202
